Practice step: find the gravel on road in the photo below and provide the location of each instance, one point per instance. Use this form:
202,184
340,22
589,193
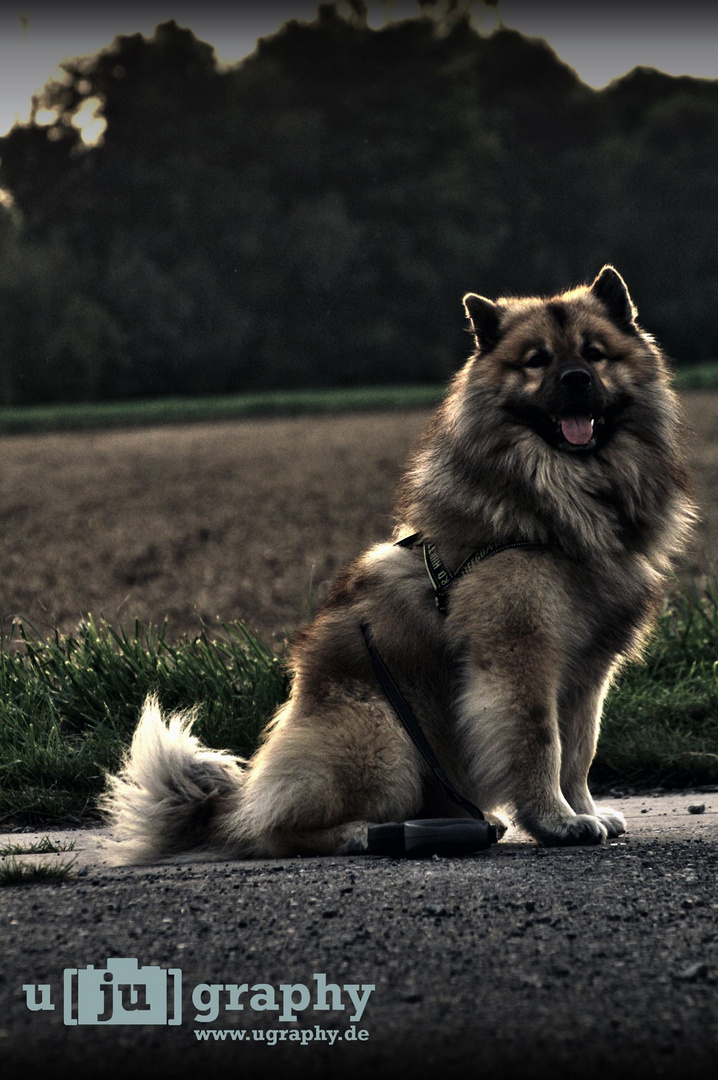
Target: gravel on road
521,961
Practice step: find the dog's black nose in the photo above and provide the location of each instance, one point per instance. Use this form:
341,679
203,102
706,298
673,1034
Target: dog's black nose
576,379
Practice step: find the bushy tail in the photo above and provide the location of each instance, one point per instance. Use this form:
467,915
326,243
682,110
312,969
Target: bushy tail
169,795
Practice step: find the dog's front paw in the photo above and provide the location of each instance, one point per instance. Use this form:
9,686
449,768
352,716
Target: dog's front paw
614,820
569,831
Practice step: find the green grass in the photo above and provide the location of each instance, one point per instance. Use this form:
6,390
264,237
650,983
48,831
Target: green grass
181,410
14,872
68,706
698,376
46,846
660,722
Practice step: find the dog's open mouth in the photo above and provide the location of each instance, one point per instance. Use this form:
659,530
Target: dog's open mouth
576,432
576,428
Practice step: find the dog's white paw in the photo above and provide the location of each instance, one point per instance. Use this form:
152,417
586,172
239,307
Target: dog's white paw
569,831
614,820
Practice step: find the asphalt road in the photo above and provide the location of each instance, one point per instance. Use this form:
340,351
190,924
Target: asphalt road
519,962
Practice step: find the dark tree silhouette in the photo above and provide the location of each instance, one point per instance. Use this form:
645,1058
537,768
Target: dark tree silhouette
313,215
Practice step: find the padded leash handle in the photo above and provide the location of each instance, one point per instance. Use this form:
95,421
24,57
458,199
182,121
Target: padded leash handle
431,836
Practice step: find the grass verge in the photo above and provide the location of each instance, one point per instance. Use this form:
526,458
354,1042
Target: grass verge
697,376
114,414
179,410
660,724
45,846
14,872
68,706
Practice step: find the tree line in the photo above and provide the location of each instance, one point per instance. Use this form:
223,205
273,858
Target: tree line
313,215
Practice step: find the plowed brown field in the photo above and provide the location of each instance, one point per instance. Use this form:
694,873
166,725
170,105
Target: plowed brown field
217,522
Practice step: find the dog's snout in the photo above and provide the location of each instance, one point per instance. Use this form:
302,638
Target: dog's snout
576,379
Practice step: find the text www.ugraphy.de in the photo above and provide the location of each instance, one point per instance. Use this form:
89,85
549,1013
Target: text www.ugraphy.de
272,1036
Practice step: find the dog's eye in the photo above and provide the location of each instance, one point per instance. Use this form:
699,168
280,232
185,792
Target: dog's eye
538,358
592,353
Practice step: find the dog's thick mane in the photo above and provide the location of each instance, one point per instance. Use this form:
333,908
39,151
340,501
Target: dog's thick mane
477,480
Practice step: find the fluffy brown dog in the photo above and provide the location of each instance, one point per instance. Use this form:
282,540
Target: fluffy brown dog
561,431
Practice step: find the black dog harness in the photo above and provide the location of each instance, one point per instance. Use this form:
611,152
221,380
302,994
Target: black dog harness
439,574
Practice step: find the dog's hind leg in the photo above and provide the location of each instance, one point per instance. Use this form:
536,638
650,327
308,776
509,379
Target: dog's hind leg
347,839
579,718
327,770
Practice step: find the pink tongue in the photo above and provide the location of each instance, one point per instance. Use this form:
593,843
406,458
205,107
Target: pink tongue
578,430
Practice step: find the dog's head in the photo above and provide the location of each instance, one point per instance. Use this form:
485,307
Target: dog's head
563,425
571,369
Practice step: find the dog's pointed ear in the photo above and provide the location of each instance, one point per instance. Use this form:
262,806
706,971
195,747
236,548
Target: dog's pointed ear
483,315
610,288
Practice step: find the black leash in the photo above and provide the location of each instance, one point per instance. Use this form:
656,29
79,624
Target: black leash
411,725
433,836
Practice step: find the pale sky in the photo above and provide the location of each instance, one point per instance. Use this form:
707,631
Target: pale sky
601,39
